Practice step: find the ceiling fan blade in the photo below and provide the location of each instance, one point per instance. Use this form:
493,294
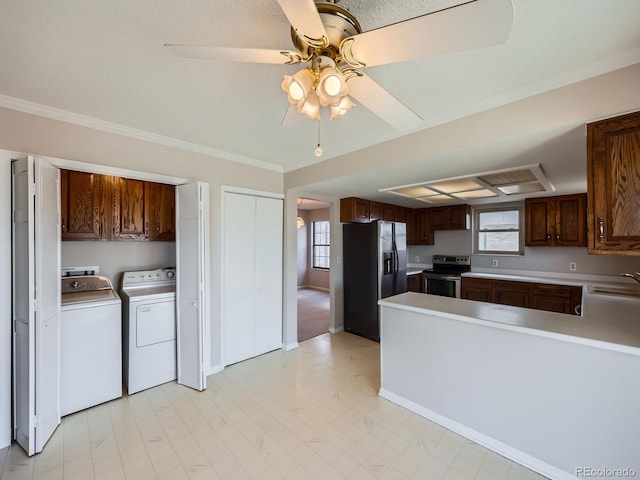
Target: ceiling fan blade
382,103
479,23
304,17
250,55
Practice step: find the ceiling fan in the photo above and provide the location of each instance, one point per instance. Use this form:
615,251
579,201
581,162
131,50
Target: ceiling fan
330,40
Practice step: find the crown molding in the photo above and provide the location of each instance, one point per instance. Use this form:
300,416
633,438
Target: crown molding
25,106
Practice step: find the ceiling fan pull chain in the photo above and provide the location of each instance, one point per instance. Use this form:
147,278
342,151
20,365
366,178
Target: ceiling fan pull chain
318,150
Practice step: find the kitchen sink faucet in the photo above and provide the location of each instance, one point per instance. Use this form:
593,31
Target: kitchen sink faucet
635,276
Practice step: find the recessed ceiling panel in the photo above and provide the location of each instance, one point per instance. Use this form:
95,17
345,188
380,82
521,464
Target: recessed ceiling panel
460,185
509,178
522,188
484,193
436,199
414,192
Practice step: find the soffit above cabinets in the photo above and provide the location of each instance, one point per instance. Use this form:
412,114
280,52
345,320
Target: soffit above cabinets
498,184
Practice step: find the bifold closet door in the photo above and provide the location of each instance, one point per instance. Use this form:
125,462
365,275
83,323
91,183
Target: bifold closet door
252,298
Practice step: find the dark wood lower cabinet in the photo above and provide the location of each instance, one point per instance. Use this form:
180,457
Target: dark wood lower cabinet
511,293
415,283
477,289
539,296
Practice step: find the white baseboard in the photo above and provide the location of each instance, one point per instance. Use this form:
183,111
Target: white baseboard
503,449
212,370
290,346
313,287
336,330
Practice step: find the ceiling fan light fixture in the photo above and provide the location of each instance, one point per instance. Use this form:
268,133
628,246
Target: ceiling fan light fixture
310,106
332,86
298,85
343,107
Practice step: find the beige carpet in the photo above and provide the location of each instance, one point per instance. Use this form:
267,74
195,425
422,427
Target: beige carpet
313,313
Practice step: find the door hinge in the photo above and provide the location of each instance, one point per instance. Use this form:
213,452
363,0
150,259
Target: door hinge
35,305
34,420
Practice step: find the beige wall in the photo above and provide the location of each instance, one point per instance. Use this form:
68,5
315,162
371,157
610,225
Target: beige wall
303,248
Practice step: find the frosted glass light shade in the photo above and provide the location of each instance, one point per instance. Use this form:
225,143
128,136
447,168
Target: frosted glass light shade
343,107
298,86
310,106
331,87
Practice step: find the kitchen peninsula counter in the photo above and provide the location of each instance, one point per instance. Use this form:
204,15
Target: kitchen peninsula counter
551,391
610,332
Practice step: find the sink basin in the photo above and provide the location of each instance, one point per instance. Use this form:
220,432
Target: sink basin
612,301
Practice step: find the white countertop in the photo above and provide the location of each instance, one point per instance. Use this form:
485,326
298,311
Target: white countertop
599,327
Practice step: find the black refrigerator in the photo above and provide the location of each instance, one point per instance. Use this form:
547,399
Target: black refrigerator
374,267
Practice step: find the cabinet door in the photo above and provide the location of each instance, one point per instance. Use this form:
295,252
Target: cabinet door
570,217
399,214
388,214
441,218
131,210
479,289
426,227
613,185
538,222
415,283
511,293
162,212
460,217
82,209
375,211
552,298
354,209
411,218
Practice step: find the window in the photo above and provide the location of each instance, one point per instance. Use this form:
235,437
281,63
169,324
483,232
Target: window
498,230
320,245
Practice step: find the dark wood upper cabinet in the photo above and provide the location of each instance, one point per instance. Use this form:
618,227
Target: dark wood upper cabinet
419,226
375,211
85,205
613,185
103,207
556,221
452,217
354,209
130,209
162,212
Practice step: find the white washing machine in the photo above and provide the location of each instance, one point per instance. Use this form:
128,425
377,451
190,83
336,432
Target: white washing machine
149,327
90,340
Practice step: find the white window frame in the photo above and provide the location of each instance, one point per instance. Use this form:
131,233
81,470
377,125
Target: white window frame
498,208
313,244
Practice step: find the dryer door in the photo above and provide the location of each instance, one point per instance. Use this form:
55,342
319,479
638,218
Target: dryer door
155,323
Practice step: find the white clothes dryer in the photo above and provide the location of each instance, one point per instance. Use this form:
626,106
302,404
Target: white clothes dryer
149,328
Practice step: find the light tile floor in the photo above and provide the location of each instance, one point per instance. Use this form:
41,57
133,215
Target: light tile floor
311,413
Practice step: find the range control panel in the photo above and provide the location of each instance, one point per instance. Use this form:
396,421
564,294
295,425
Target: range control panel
85,283
159,275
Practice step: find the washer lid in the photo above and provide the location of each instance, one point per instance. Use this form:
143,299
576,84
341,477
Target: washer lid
88,296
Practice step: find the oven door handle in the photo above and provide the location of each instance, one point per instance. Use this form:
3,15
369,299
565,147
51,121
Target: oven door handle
436,276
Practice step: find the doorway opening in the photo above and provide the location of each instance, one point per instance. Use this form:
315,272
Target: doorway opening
314,274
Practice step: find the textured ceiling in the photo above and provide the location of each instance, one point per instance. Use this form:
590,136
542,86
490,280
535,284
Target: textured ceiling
105,60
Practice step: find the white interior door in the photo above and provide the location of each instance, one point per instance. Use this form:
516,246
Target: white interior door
239,277
36,300
252,290
191,261
268,293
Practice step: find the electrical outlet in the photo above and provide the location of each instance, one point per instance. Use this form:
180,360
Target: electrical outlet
494,263
417,258
572,266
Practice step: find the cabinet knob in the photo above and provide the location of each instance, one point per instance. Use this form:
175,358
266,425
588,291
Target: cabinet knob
557,237
548,238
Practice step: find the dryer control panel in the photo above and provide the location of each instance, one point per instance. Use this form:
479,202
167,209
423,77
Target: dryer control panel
161,276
